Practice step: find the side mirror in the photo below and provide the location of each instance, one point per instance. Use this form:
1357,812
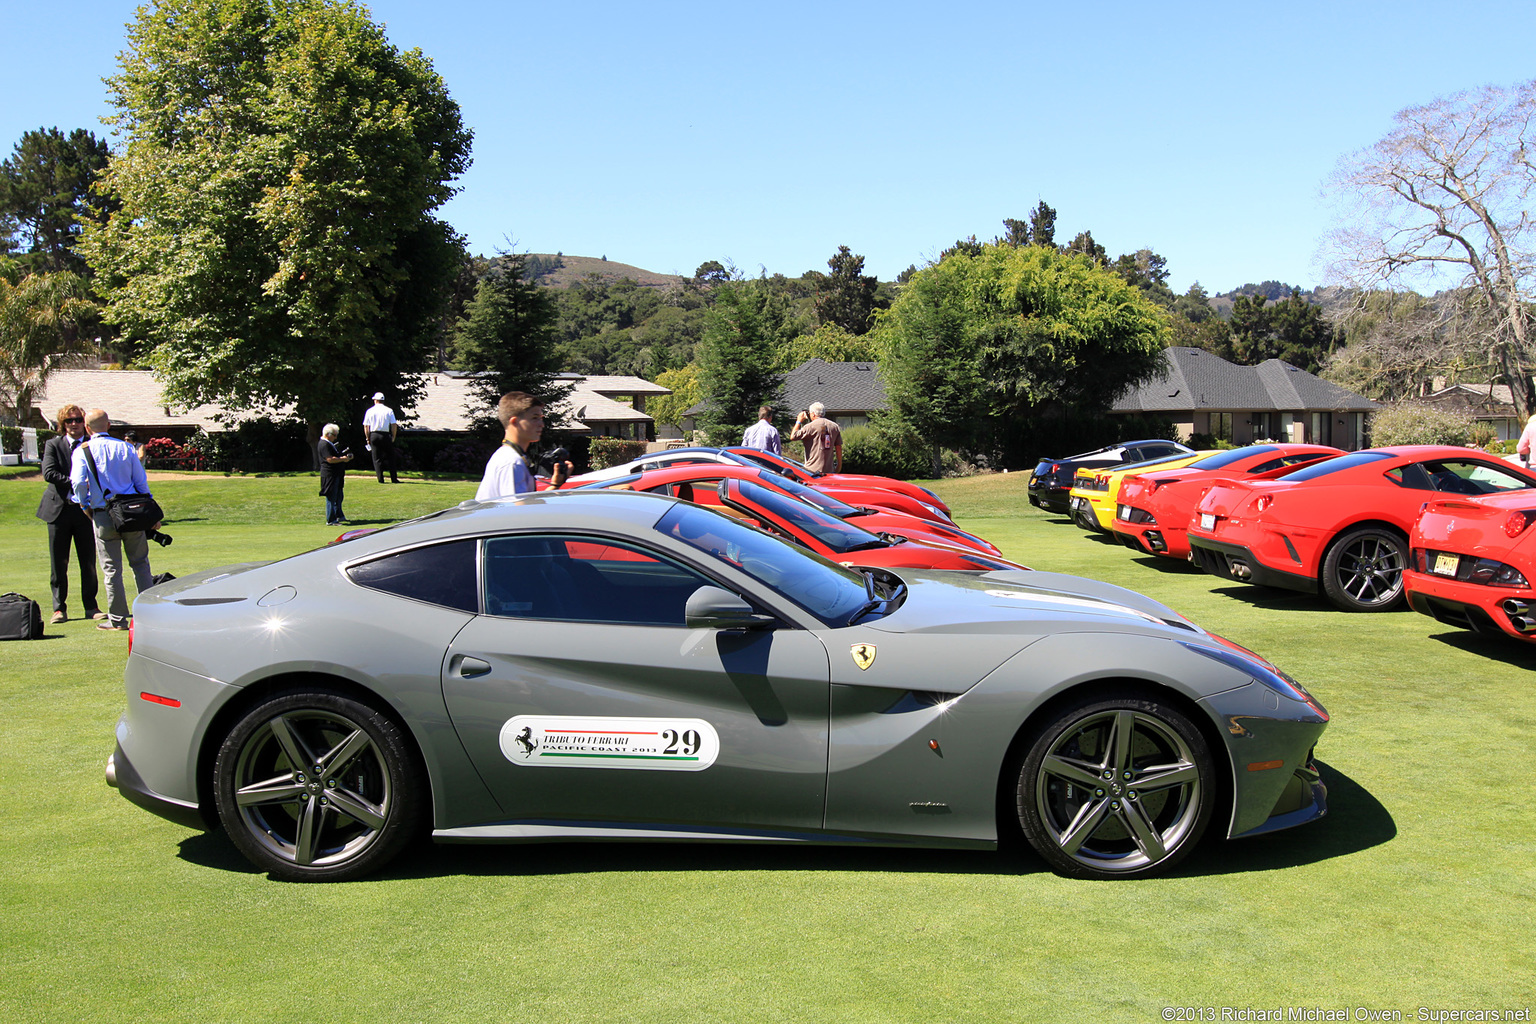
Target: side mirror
713,608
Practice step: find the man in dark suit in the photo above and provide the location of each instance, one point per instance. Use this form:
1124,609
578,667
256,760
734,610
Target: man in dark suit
67,522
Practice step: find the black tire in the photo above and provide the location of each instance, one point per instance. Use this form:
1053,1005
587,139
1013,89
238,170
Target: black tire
1363,570
1139,806
351,805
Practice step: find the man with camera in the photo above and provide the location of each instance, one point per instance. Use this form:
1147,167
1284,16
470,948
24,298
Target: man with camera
104,467
823,439
508,473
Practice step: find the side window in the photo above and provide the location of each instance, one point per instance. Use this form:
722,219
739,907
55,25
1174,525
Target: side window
1413,476
1458,477
1265,467
584,579
441,574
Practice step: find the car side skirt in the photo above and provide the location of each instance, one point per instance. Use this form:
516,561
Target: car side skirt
557,831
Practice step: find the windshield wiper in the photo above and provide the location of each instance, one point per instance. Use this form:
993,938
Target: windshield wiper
873,600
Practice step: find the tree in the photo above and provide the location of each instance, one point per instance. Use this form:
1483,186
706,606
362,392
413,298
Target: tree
847,298
39,319
684,382
45,194
737,356
1448,190
508,330
1084,245
976,346
830,342
1040,229
275,242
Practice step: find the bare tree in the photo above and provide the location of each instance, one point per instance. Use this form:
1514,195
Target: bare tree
1445,193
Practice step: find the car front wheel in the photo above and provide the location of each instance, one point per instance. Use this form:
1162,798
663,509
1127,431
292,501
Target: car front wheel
1120,788
315,786
1364,571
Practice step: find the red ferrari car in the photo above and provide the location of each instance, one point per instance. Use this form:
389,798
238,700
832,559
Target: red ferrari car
1341,525
1153,509
827,535
690,481
853,481
1471,562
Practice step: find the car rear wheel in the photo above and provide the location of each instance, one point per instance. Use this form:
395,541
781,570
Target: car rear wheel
1119,788
315,786
1363,571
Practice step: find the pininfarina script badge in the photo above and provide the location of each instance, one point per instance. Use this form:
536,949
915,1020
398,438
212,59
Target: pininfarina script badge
647,744
863,655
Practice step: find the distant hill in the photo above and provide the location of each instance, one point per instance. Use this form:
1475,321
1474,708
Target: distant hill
565,271
1274,291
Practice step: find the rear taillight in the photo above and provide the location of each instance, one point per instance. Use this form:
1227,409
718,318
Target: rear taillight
1265,500
1515,525
130,636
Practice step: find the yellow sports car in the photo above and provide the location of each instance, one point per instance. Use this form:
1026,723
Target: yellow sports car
1094,491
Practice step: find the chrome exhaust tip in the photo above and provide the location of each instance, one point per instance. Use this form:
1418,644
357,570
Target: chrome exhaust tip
112,770
1241,571
1514,606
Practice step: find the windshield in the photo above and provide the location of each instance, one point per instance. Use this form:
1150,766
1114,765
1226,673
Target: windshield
1349,461
1221,459
780,464
822,587
837,535
821,500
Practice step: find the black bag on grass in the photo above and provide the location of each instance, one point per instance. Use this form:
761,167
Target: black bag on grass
20,618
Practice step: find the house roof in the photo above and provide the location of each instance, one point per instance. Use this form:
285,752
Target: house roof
842,387
1196,380
133,397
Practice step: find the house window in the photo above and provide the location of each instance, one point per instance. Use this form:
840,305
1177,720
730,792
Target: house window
1221,426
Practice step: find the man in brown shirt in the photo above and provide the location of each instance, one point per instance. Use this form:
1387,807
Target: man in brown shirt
823,440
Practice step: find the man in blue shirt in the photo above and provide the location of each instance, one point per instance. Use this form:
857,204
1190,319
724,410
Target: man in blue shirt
763,435
118,471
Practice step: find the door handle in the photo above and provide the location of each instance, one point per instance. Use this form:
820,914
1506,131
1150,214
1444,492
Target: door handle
468,668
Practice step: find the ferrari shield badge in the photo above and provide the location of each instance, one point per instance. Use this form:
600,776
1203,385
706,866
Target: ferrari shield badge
863,655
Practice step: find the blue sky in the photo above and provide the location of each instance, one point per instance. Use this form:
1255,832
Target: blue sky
664,134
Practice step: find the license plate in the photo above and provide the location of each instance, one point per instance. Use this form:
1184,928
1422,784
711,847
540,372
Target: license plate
1444,564
1207,521
1079,503
1123,512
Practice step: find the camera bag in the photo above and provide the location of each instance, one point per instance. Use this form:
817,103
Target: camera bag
20,618
130,513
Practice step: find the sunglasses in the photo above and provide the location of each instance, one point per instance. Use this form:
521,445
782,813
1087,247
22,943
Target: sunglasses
74,419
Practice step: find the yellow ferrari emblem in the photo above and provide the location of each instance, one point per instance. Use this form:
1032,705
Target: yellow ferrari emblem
863,655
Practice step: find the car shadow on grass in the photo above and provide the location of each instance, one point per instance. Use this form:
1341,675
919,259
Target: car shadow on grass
1169,566
1500,648
1356,821
1275,598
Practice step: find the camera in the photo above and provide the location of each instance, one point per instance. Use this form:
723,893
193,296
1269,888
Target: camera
163,539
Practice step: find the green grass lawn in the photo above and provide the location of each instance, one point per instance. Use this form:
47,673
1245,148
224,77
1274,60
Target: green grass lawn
1416,891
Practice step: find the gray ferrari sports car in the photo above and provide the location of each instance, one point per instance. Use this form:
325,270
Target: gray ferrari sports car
613,665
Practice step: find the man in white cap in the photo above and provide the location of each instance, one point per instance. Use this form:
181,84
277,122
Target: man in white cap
379,429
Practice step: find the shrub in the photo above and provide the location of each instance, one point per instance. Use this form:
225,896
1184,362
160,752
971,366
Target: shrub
1419,424
869,450
614,451
466,456
1483,434
256,446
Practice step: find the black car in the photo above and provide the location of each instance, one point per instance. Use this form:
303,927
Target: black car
1052,478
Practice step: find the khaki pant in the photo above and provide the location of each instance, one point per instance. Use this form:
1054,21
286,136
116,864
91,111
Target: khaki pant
111,546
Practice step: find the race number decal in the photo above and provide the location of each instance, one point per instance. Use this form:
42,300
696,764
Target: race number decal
647,744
